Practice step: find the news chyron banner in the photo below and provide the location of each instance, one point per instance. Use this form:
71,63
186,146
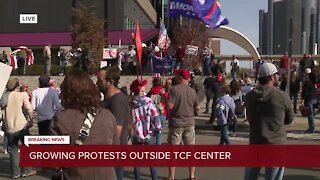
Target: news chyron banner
36,155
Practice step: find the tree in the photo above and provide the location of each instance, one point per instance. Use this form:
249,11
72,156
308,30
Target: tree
88,32
193,32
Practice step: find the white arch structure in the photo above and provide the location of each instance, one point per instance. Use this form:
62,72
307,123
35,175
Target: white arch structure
236,37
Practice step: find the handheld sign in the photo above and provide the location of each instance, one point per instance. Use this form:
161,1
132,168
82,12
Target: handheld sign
5,72
192,50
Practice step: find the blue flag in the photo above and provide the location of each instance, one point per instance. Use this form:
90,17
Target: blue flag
209,12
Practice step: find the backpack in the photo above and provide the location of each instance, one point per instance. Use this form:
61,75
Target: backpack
239,107
156,99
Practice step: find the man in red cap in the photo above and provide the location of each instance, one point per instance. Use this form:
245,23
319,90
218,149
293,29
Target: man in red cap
182,103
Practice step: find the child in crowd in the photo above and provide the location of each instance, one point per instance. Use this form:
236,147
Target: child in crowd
225,110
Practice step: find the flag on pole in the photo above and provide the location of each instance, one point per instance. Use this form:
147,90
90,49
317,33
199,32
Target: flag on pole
138,42
209,12
163,39
30,58
13,61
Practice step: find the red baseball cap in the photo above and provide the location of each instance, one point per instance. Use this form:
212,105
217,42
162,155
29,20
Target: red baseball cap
185,74
137,84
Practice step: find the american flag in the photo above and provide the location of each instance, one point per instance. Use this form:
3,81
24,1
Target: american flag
163,39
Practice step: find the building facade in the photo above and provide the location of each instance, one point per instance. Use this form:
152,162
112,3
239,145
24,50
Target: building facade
54,19
289,26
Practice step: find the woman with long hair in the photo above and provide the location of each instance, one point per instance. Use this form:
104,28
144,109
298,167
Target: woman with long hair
81,100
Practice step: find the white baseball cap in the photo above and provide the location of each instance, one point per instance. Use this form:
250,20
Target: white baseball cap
308,70
267,69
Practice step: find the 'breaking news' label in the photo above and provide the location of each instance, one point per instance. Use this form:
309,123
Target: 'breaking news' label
46,140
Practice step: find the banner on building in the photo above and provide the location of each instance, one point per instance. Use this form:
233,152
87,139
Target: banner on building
109,53
162,65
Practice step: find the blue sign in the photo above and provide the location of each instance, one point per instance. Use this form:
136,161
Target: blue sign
182,7
162,65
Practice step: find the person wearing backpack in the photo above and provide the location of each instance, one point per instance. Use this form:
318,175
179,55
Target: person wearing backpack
225,110
145,121
155,94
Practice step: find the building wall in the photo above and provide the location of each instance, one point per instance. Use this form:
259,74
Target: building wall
294,27
280,30
53,16
115,15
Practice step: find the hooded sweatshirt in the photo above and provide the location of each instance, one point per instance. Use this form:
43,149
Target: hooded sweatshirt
269,109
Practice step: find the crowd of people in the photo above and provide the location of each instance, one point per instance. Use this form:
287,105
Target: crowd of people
141,116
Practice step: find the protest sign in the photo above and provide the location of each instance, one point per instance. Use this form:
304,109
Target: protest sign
109,53
5,72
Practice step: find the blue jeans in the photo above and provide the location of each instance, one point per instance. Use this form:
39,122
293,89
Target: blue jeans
158,137
310,104
271,173
63,66
153,170
119,172
234,75
5,143
13,144
224,137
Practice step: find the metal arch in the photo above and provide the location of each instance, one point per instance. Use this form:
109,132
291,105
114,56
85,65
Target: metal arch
236,37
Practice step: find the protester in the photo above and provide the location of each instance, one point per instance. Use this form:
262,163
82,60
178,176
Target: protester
206,60
77,59
234,67
146,124
4,57
45,101
21,61
81,101
284,62
146,59
155,94
85,59
16,124
217,74
130,60
117,102
269,109
208,87
182,103
192,83
294,89
236,94
179,55
62,54
245,90
47,59
225,112
309,98
257,65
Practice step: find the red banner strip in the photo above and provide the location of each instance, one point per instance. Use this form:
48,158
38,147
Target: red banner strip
167,155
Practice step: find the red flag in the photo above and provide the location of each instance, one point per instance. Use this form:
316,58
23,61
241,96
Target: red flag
138,42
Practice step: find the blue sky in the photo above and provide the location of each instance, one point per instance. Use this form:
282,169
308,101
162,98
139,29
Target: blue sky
243,16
